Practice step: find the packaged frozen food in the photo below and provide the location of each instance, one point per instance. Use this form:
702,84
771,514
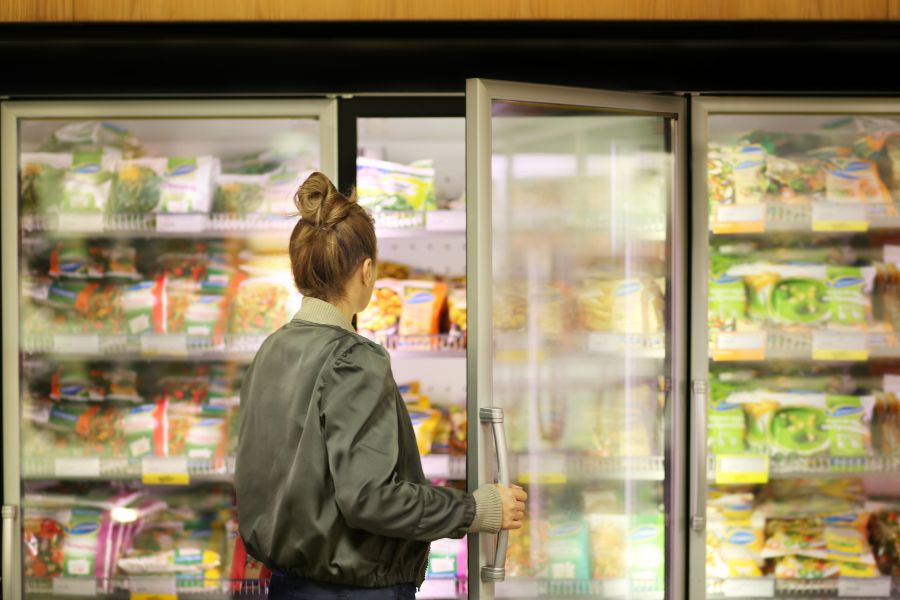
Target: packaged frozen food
143,307
121,261
137,185
121,385
238,194
93,136
59,542
645,553
720,176
42,181
425,422
382,315
568,543
797,178
445,557
187,184
423,303
749,174
266,297
456,308
279,191
86,186
727,302
848,422
884,532
392,270
144,428
458,421
527,553
634,306
510,307
844,544
792,536
383,185
886,424
77,382
727,428
608,533
855,180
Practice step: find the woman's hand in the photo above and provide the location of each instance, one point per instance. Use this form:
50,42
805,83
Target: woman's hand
513,499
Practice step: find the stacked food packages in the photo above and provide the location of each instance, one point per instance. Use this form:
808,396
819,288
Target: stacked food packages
388,186
97,410
800,529
198,289
592,534
100,168
414,305
102,532
840,166
439,429
801,416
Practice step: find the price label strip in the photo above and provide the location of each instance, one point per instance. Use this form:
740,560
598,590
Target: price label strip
742,468
756,587
740,218
80,222
839,217
181,223
864,587
547,470
153,588
165,471
76,343
77,467
74,586
833,345
749,346
175,344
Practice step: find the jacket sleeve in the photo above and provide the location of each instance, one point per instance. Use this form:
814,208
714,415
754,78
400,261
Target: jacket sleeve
362,436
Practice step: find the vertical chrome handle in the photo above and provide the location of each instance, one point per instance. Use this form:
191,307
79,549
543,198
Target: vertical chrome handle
699,393
9,523
496,571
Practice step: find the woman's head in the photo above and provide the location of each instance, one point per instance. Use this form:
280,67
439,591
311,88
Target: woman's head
333,245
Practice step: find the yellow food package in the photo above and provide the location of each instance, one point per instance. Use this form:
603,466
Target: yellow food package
382,315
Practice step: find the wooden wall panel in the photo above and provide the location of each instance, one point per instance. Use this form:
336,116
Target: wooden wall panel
35,10
276,10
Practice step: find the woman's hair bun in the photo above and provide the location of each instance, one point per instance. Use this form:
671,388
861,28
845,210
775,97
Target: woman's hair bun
320,203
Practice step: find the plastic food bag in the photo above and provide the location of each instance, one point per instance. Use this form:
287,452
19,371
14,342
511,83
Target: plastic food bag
187,184
423,303
383,185
144,428
854,180
843,544
456,306
382,315
142,307
238,194
78,383
787,537
66,542
279,191
42,181
749,173
86,186
138,183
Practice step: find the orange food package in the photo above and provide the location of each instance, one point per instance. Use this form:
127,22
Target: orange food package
423,304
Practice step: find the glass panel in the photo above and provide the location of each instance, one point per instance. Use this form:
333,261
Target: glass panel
153,263
580,303
803,353
411,176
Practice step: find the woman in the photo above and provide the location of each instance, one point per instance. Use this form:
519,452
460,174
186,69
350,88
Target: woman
331,493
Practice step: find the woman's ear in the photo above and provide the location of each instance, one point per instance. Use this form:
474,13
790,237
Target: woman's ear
368,272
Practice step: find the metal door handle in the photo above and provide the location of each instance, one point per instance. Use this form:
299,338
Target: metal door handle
496,571
9,523
699,393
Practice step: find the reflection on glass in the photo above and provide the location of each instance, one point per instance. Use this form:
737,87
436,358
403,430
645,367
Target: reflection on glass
152,260
580,217
802,294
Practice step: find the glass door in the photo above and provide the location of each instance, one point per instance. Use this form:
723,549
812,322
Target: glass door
575,266
795,352
144,262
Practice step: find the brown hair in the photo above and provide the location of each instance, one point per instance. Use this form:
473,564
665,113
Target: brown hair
332,238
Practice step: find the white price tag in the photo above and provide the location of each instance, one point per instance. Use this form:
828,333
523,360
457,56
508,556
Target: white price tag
742,468
77,467
740,218
86,343
839,217
517,588
165,471
615,588
836,345
74,586
152,586
80,222
743,346
173,343
750,587
181,223
864,587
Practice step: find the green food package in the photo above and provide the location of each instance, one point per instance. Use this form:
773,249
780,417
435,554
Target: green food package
87,183
847,292
144,429
759,293
568,549
749,165
646,553
142,307
238,194
41,180
137,187
280,187
727,428
847,421
383,185
799,300
727,302
206,439
787,424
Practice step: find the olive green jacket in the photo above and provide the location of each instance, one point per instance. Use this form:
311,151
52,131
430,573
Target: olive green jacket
328,477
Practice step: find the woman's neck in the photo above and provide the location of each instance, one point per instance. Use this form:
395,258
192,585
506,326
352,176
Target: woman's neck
345,307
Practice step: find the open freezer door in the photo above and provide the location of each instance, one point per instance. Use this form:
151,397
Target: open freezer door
576,239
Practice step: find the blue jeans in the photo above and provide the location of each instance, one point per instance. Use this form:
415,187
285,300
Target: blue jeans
284,587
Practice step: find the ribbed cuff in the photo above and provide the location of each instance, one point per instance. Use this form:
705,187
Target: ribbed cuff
488,509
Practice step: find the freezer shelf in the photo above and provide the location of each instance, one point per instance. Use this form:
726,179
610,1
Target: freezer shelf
515,587
809,345
768,587
561,467
236,347
515,345
823,466
820,217
435,466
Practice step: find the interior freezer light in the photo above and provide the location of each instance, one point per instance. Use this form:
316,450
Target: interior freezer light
121,514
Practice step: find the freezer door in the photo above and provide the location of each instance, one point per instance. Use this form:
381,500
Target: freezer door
576,308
